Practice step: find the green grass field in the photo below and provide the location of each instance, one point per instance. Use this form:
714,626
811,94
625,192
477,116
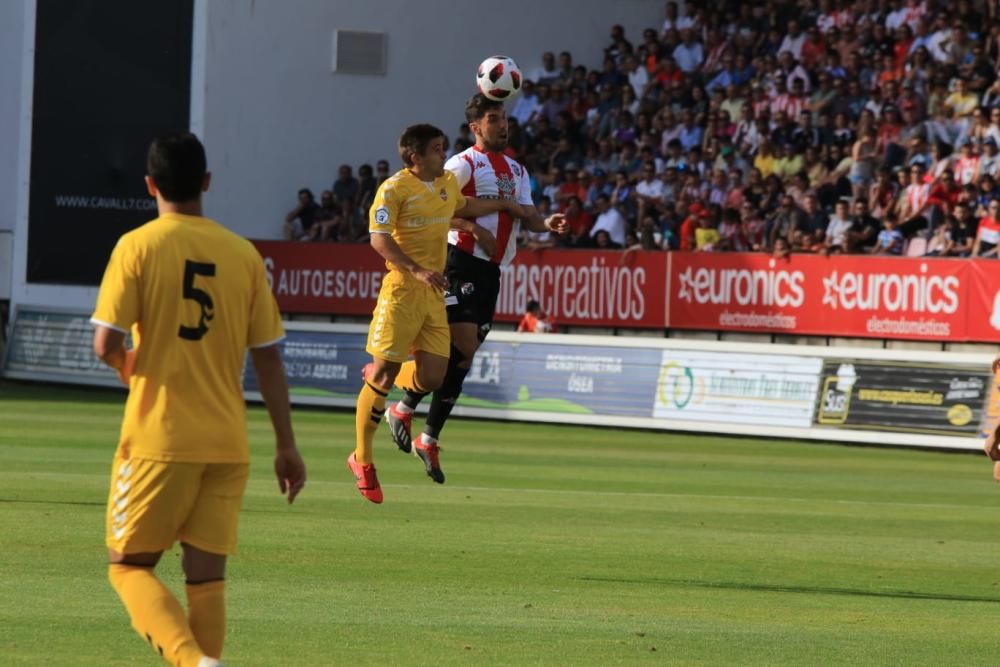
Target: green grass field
548,546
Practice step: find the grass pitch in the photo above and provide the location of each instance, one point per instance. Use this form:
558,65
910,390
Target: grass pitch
548,546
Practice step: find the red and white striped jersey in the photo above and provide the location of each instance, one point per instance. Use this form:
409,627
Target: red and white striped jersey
490,176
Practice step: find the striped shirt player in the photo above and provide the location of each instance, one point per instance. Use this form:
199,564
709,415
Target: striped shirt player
473,268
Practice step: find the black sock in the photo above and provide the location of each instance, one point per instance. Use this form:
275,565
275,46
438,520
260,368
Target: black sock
444,399
412,400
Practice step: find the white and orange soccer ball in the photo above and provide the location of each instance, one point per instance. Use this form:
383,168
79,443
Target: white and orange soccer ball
498,78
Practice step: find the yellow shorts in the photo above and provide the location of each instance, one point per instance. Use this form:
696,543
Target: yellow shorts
154,503
408,316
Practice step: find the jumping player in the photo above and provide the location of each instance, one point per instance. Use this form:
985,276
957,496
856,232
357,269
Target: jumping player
409,222
473,276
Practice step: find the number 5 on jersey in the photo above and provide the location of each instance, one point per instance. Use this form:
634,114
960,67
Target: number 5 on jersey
201,297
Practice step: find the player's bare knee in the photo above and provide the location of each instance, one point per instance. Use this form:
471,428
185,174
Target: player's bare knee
146,559
430,381
200,566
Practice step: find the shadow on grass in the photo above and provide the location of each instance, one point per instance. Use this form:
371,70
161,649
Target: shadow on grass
22,390
778,588
27,501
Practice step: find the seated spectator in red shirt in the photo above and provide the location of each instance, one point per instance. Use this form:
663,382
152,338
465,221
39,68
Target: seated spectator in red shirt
535,320
944,193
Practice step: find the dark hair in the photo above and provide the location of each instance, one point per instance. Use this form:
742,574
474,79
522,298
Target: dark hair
533,306
306,191
176,163
415,139
478,105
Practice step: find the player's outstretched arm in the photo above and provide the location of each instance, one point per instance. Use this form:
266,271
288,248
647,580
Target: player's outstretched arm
476,207
386,246
533,221
288,465
484,239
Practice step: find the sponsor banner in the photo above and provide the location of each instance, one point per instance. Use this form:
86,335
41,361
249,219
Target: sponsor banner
503,376
768,390
575,288
583,379
582,288
54,345
982,306
333,278
809,294
325,364
900,396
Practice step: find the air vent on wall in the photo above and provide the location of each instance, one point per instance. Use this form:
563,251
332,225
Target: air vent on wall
356,52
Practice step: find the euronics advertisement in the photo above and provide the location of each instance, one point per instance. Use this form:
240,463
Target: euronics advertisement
878,396
840,295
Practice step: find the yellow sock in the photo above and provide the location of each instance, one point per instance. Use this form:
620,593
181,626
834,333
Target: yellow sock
371,407
156,614
406,379
207,615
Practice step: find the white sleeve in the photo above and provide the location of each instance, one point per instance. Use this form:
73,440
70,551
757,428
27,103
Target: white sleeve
458,165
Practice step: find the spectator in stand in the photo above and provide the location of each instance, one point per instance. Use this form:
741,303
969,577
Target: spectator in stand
580,223
602,241
837,229
786,220
547,73
689,54
864,233
345,194
914,209
649,192
988,233
535,320
527,105
328,217
962,232
300,221
706,235
609,220
890,239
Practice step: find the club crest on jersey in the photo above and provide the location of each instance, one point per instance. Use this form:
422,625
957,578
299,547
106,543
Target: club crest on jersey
505,186
468,288
382,215
443,194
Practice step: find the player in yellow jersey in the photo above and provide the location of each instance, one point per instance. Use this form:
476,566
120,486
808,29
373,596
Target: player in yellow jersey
409,222
195,297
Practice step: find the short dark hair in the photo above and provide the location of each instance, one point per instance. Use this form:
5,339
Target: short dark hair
478,105
415,139
533,306
176,163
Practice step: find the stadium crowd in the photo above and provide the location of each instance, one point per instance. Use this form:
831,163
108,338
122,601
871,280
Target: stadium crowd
819,126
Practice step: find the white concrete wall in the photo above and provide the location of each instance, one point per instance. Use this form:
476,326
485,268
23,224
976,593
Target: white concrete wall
12,52
276,118
272,114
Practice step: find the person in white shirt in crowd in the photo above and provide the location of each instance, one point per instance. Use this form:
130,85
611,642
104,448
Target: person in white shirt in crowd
527,104
836,230
689,54
649,190
794,40
548,72
609,220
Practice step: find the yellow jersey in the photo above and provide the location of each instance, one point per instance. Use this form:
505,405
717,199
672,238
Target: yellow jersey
195,296
418,215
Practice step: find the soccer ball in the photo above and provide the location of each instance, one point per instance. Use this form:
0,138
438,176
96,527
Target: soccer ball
498,78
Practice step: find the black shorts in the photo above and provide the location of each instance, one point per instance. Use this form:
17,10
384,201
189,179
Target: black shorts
473,289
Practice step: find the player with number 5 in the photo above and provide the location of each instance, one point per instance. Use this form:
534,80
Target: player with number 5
195,297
